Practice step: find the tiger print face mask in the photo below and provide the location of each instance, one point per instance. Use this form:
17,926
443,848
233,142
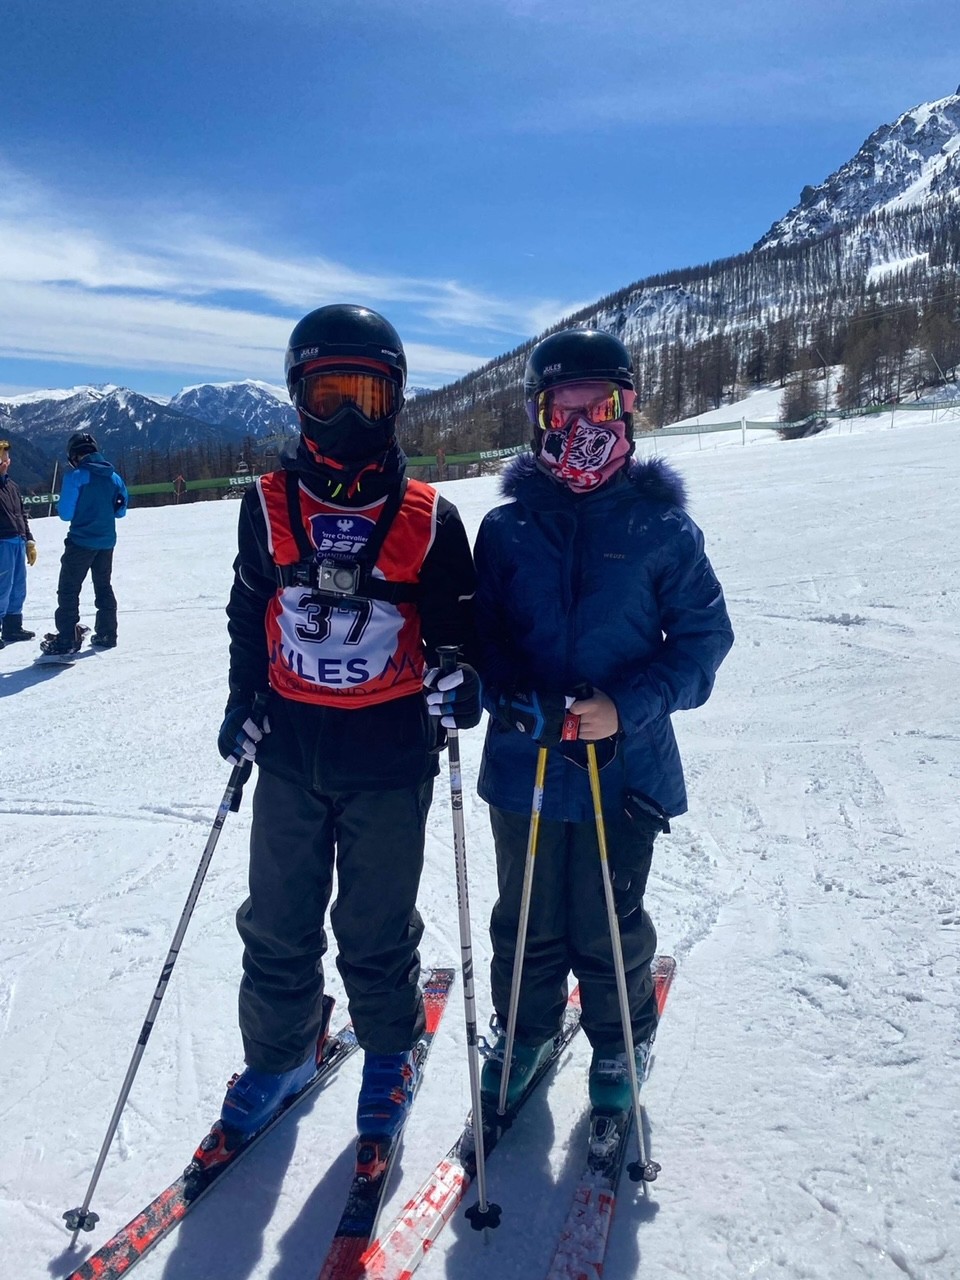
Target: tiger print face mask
583,456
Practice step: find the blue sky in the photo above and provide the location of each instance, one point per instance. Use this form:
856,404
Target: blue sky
181,181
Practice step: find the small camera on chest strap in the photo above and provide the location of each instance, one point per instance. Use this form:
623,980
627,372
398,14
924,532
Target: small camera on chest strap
339,577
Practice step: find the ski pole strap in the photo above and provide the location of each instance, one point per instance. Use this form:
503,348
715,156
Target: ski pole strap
571,728
571,723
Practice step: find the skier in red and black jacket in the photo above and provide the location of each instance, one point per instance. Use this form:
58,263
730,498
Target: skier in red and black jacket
348,578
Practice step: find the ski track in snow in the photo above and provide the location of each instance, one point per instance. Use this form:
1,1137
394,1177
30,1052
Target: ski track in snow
82,808
804,1098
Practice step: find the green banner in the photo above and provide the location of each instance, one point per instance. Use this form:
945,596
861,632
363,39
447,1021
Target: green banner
239,483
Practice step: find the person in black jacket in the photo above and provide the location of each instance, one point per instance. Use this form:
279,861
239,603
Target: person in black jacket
17,550
348,578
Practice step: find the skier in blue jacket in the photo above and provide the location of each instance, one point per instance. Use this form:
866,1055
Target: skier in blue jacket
595,597
92,498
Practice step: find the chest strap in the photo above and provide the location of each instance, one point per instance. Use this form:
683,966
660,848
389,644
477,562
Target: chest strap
304,572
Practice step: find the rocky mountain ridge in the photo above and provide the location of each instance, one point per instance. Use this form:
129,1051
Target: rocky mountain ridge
899,166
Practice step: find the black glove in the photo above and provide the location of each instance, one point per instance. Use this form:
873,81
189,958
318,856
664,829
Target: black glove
240,733
631,851
541,715
456,696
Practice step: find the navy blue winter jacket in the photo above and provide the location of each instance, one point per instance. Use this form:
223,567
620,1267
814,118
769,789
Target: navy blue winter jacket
93,498
612,588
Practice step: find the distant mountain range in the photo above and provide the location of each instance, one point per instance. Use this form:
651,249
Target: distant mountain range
128,425
883,231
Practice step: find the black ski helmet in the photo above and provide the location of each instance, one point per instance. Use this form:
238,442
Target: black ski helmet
344,330
574,355
80,444
352,335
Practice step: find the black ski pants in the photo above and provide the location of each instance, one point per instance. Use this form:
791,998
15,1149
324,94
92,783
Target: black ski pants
375,841
75,563
567,931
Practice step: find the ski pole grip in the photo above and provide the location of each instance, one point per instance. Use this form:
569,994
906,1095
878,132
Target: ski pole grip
448,655
241,773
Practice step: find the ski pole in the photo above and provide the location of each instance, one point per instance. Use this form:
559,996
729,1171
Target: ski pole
81,1219
516,977
481,1214
644,1168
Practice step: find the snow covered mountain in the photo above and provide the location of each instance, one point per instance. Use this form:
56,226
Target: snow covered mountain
253,408
127,424
881,234
894,205
121,420
900,165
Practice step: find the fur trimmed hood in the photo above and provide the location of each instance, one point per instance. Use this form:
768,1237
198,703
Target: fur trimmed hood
653,479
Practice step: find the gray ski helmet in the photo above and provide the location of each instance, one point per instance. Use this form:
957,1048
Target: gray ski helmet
80,444
573,355
347,331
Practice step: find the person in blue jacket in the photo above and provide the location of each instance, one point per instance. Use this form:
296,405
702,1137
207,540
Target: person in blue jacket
595,598
92,498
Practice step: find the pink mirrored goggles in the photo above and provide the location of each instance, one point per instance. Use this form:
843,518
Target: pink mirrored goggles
601,403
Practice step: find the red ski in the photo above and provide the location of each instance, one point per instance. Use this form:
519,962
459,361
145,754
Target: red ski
582,1247
403,1246
358,1222
214,1156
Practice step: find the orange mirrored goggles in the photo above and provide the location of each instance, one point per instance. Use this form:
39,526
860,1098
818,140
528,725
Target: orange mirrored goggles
326,393
610,405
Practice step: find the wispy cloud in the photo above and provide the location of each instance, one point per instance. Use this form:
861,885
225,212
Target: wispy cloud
175,295
64,322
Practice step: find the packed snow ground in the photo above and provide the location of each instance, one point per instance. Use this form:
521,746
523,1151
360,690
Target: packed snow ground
805,1097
